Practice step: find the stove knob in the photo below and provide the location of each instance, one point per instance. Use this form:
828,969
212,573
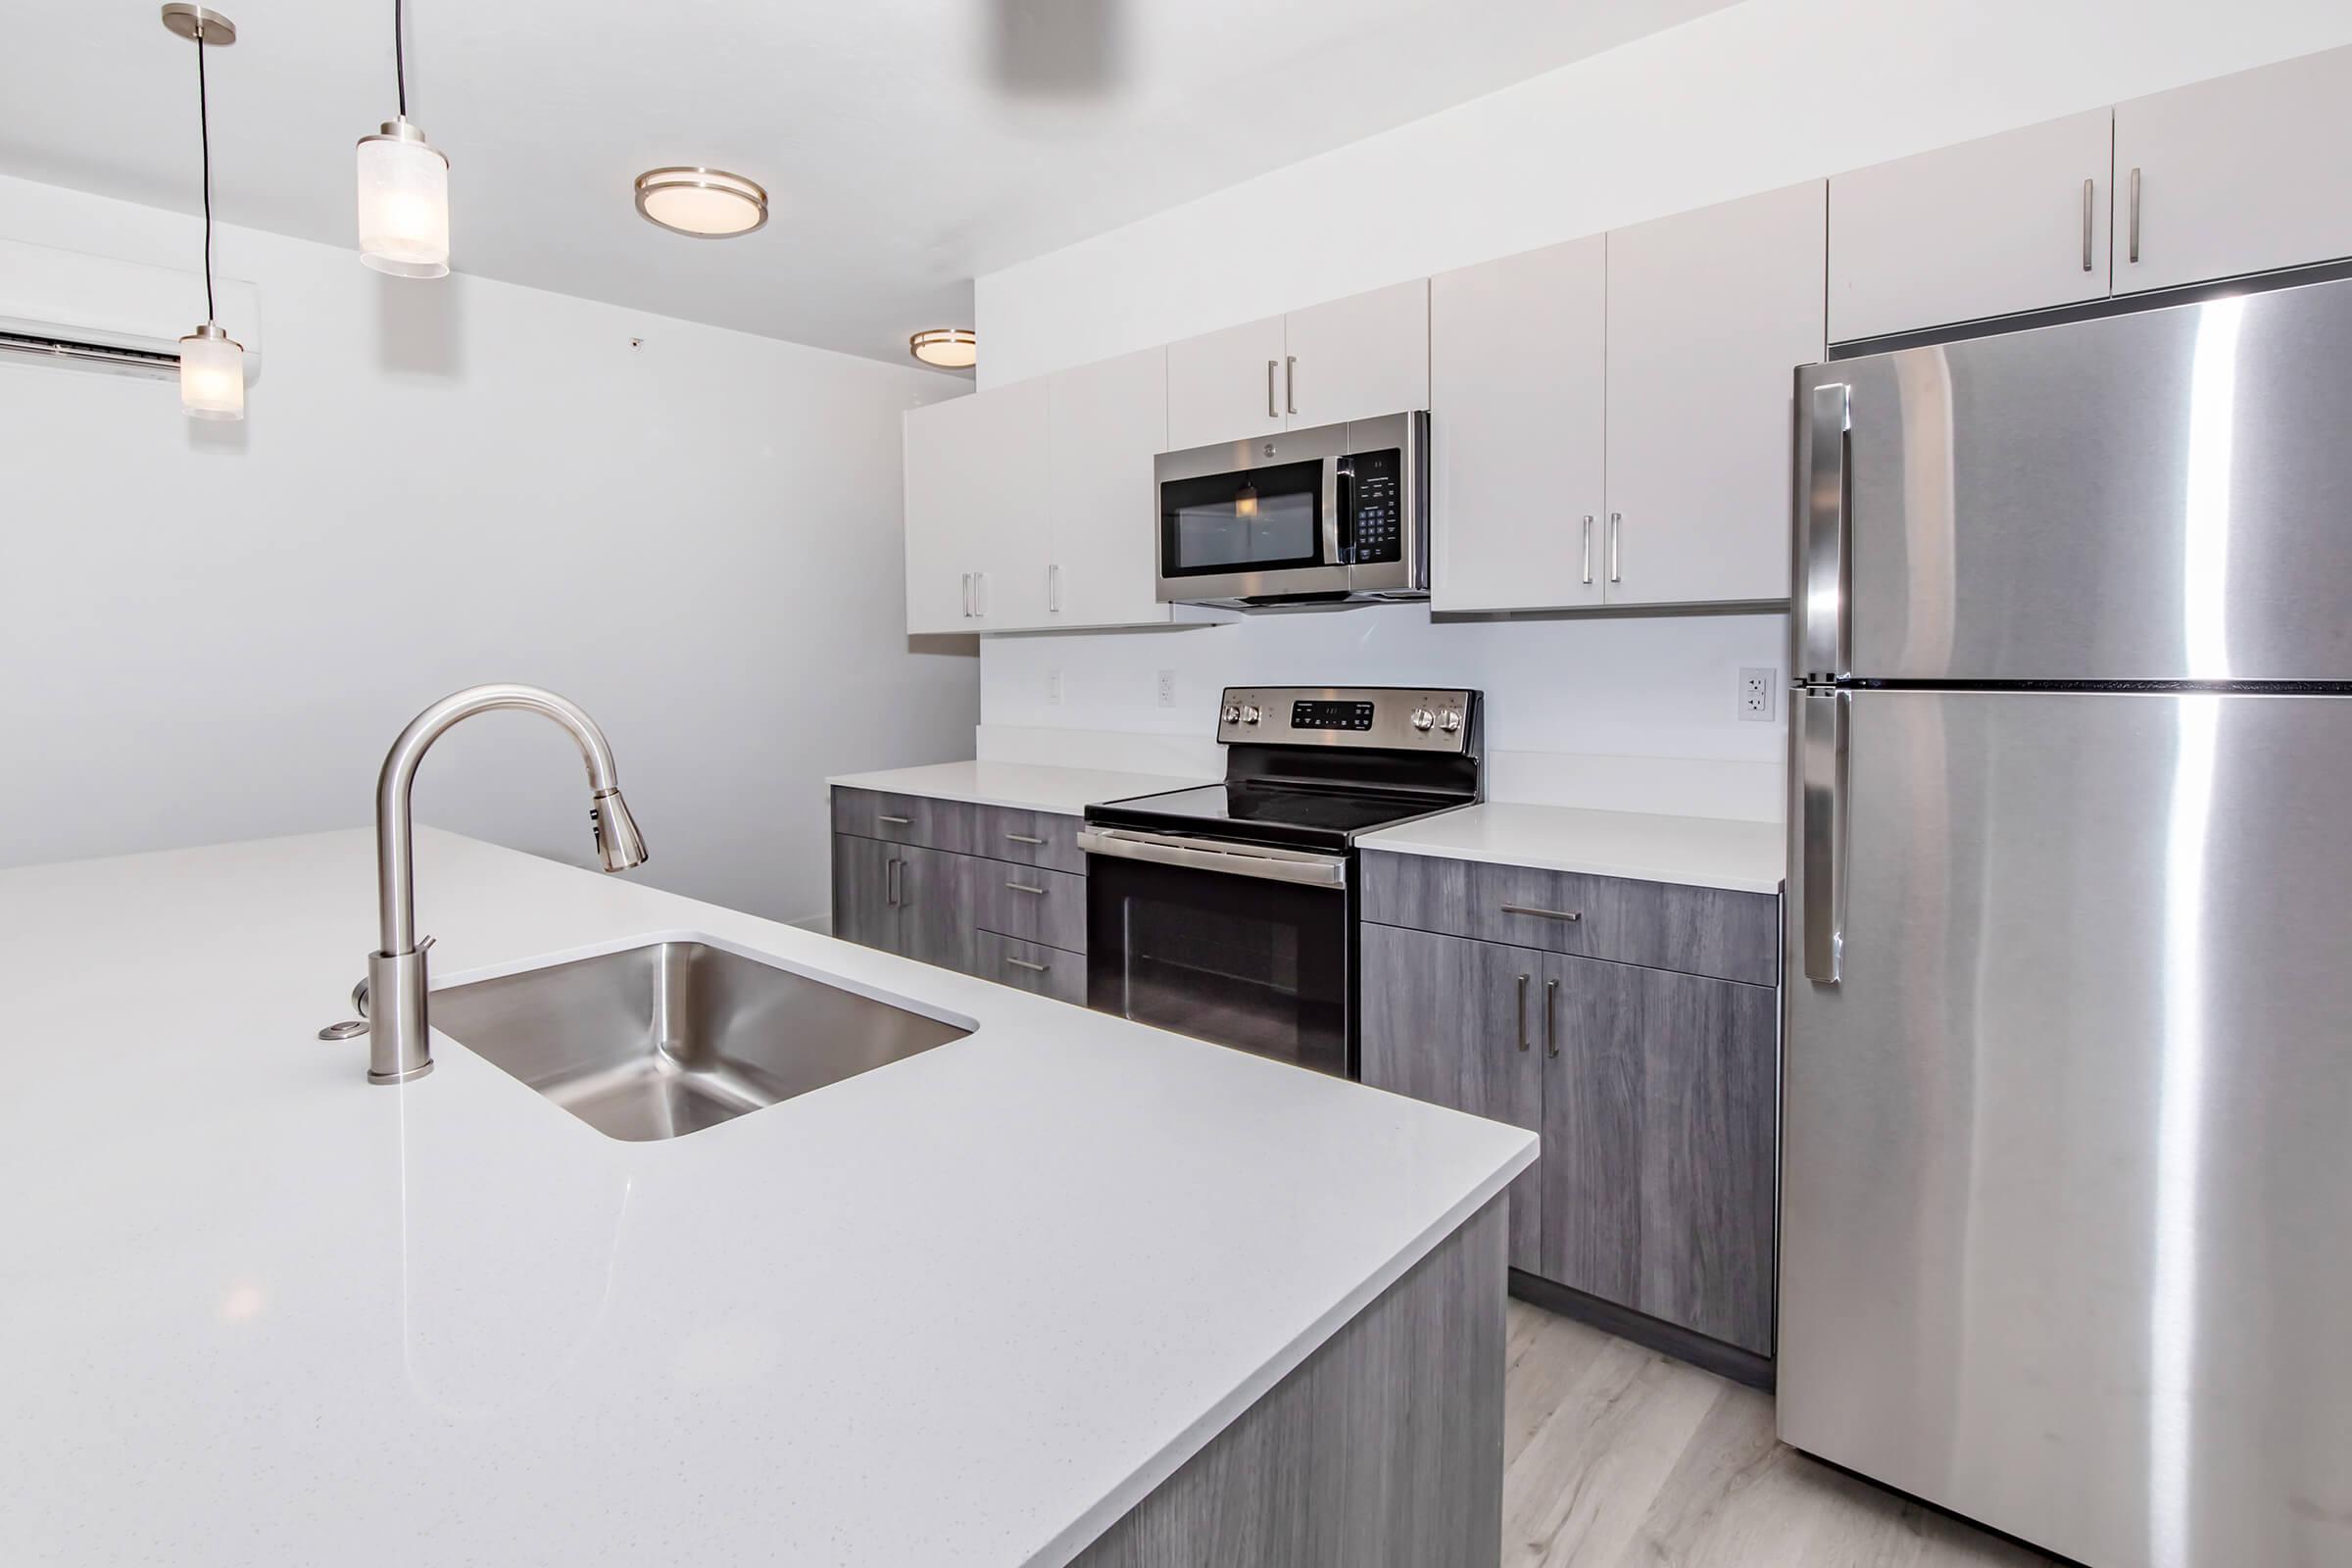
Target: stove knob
1423,719
1250,714
1451,720
1231,716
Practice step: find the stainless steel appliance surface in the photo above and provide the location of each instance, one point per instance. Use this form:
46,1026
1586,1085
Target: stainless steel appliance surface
1228,911
1330,515
2067,1212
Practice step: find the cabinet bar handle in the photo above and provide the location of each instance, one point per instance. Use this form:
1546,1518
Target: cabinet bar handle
1025,838
968,595
2135,215
979,593
1023,887
1290,383
890,882
1552,1038
1272,413
2086,189
1024,963
1053,590
1616,532
894,821
1548,914
1588,547
1523,1013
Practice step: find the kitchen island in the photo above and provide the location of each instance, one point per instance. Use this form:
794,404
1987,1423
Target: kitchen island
1064,1289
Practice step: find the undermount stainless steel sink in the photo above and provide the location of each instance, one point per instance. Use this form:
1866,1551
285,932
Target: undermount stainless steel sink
664,1040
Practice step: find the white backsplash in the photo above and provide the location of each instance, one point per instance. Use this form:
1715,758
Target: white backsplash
1614,713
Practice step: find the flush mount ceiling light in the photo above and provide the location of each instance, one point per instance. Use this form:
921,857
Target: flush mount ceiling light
950,348
706,203
404,188
212,363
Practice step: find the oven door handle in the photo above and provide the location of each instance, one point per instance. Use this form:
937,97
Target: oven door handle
1300,866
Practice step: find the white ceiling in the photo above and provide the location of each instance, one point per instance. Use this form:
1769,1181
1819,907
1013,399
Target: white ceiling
907,145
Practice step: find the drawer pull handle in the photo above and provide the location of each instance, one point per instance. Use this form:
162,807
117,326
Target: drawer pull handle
1024,963
895,821
1025,838
1023,887
1548,914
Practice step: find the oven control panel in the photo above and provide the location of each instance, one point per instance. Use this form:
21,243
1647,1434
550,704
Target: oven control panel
1409,718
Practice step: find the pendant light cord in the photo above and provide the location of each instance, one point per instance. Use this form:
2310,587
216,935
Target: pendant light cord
400,64
204,135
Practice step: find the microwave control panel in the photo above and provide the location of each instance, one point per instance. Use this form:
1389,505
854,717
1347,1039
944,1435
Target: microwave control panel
1376,506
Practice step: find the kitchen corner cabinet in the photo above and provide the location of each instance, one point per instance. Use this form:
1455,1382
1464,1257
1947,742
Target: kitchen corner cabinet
1710,313
2243,174
1349,359
2018,221
1655,1088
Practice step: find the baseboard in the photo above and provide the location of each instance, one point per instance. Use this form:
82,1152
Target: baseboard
1711,1356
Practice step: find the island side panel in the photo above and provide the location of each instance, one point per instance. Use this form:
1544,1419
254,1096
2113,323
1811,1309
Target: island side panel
1383,1449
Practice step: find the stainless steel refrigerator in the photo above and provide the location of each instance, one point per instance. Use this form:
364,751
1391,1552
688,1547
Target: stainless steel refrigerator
2067,1196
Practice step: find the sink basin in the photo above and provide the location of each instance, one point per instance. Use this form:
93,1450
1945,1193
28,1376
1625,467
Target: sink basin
664,1040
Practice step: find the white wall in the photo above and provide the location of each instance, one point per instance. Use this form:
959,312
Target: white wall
212,632
1761,94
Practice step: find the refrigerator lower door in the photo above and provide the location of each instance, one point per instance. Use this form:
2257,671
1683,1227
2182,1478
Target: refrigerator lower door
2067,1194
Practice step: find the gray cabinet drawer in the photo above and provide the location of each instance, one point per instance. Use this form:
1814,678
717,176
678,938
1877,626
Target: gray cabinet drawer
1030,838
1661,926
1033,967
1030,902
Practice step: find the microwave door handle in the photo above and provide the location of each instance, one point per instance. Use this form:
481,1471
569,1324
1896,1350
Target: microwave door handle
1345,487
1825,649
1331,512
1821,850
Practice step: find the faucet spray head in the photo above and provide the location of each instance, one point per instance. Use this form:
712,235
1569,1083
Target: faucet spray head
617,841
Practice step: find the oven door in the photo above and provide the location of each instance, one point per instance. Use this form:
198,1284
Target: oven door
1251,947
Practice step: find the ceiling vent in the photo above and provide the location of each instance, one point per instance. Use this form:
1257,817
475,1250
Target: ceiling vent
95,313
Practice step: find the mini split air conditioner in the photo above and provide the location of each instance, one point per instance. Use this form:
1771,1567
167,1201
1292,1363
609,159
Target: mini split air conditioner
96,313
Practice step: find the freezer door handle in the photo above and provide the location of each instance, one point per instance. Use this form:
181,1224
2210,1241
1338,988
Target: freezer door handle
1822,850
1827,422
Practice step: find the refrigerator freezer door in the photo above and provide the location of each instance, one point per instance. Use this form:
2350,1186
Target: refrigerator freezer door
2160,496
2067,1185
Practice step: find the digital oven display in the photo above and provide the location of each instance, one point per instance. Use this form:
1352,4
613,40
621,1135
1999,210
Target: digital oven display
1331,715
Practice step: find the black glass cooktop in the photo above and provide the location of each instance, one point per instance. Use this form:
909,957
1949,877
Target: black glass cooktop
1284,813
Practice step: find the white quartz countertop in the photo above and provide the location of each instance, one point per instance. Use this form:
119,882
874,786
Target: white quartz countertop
1022,786
966,1309
1698,850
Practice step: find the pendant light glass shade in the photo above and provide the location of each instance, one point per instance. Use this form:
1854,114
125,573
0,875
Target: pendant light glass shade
212,374
404,203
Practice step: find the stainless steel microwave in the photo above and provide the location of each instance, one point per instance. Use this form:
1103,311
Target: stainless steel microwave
1335,515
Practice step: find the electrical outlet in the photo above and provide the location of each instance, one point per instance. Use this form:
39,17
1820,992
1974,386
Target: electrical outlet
1759,691
1053,687
1167,688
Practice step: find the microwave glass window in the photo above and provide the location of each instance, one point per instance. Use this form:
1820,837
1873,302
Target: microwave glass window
1258,520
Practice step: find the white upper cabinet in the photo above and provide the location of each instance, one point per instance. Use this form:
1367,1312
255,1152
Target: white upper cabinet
1710,313
1107,423
2010,223
1226,386
1351,359
976,512
1517,362
1357,357
2244,174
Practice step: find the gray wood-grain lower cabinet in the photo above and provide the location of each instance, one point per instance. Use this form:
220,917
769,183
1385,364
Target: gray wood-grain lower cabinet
905,900
1656,1094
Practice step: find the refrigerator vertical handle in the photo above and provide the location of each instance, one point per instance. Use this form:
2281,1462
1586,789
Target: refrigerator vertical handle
1822,849
1822,653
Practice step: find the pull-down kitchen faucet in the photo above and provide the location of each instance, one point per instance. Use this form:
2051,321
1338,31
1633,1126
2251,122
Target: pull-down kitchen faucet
398,1046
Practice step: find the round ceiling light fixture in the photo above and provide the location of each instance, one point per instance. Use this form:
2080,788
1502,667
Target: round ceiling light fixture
706,203
950,348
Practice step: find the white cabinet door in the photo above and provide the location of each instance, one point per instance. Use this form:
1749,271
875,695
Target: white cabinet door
976,512
1107,423
2005,224
1357,357
1710,313
1517,373
1226,386
1011,512
2243,174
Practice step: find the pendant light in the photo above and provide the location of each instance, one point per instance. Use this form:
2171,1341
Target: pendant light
212,363
404,188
